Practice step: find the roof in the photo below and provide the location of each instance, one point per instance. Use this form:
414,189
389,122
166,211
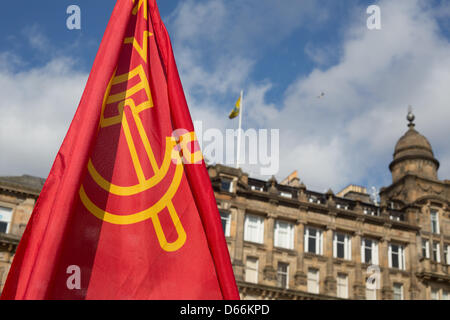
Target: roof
26,183
413,143
413,146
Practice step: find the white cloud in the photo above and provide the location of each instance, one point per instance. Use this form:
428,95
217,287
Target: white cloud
320,55
238,27
36,107
36,39
9,61
350,134
217,42
198,20
367,93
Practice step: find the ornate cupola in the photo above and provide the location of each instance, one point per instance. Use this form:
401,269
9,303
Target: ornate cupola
413,155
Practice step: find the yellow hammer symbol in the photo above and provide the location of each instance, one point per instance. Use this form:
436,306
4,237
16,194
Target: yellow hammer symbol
125,99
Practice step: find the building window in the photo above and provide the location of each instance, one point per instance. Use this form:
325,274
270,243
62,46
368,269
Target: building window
251,270
314,199
254,229
396,256
227,184
342,206
286,194
342,246
255,188
434,294
369,251
398,291
445,295
5,219
313,240
284,235
370,211
434,221
313,281
283,275
396,216
342,286
436,252
425,249
226,222
447,253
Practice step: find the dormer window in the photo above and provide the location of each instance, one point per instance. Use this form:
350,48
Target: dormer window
255,188
314,199
286,194
227,184
369,211
397,216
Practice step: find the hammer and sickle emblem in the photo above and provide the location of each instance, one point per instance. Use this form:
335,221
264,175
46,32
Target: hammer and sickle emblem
123,100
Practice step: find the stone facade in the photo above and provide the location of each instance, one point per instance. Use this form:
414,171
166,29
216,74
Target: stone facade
18,196
288,242
412,252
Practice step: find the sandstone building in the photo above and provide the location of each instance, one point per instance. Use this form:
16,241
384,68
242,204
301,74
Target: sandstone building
17,198
288,242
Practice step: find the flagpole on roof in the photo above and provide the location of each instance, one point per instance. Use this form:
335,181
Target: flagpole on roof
240,130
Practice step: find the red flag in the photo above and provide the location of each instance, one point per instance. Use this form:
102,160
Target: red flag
127,211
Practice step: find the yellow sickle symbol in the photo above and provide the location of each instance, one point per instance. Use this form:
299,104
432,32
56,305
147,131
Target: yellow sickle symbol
124,99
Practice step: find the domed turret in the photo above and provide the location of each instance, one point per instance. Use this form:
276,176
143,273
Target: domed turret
413,154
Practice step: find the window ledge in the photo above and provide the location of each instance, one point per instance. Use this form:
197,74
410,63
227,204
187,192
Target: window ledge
399,271
343,261
257,244
366,265
313,255
290,252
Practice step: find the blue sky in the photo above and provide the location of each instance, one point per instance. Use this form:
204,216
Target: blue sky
282,53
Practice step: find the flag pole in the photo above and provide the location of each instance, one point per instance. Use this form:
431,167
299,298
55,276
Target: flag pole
240,129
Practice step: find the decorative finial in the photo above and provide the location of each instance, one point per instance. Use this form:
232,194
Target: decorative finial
410,117
273,189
